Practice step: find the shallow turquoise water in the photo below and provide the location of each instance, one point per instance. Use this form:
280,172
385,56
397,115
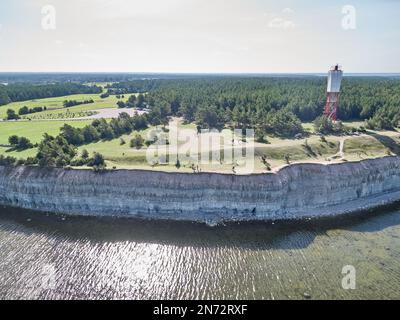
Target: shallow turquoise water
77,258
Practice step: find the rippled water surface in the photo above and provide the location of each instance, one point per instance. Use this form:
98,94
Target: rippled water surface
126,259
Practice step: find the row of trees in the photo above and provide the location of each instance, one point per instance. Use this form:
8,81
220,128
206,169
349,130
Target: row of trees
100,129
12,115
25,110
27,91
134,102
19,143
57,152
71,103
54,152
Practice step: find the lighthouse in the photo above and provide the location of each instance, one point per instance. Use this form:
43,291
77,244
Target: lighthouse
335,76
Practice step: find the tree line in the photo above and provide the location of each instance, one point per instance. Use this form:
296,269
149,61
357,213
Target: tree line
274,104
25,110
26,91
72,103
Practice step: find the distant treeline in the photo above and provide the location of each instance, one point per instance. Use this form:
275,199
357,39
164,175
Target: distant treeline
21,92
136,86
46,78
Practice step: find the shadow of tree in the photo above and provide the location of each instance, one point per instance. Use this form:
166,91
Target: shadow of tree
388,142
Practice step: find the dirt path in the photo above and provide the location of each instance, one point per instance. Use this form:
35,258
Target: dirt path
340,155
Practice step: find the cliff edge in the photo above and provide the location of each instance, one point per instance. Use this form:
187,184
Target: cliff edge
297,191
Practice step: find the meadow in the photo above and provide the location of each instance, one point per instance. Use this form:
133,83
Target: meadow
34,130
55,108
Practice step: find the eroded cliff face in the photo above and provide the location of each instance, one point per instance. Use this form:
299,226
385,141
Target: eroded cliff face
298,191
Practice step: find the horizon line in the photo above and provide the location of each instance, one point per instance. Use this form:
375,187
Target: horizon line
188,73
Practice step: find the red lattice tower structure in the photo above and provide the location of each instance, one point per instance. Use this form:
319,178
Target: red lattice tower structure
335,76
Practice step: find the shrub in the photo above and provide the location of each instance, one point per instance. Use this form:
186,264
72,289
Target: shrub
178,164
283,123
137,142
79,162
7,161
11,115
30,161
19,143
13,140
325,125
265,162
97,162
24,143
260,136
85,154
287,158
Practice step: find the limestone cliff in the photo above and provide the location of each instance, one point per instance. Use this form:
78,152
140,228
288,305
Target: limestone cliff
297,191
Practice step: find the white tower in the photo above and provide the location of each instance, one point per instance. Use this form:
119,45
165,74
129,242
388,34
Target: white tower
335,76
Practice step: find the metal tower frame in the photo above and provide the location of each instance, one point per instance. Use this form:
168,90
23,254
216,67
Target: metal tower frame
333,92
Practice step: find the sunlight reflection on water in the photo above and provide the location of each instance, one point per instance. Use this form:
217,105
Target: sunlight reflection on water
127,259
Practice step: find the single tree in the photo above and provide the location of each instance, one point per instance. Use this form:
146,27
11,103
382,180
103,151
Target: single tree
85,154
137,142
11,115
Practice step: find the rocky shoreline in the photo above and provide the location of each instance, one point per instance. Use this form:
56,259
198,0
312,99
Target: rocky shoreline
295,192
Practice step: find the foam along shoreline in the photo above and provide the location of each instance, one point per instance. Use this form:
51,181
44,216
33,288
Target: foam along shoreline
294,192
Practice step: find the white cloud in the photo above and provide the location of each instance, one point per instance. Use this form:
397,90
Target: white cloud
281,23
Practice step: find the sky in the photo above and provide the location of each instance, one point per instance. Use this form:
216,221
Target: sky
200,36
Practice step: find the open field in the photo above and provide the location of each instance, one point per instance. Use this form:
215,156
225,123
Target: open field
34,130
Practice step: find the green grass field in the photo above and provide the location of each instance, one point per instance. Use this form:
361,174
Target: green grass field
34,130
